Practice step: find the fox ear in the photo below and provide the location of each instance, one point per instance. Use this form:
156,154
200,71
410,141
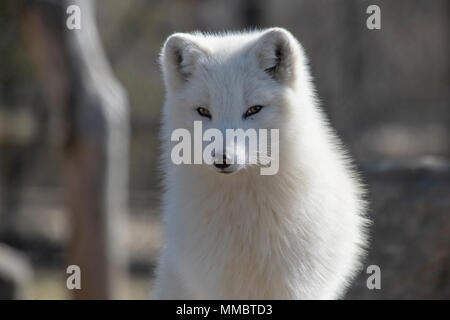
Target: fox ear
276,51
179,57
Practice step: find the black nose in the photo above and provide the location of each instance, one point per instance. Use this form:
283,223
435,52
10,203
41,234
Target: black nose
223,165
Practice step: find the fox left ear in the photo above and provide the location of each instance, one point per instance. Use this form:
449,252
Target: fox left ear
277,52
179,58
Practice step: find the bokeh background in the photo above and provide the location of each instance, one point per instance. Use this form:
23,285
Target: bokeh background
386,92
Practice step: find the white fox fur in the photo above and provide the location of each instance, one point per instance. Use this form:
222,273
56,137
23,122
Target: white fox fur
298,234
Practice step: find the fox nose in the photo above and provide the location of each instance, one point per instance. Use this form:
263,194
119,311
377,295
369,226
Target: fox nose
225,163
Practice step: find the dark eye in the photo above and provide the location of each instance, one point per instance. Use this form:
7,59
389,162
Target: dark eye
204,112
252,110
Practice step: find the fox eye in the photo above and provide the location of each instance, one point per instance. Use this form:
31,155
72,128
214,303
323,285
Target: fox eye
204,112
252,110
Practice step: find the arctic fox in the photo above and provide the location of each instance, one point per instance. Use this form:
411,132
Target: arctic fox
232,233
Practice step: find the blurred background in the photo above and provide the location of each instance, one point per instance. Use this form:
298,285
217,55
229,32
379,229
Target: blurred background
79,121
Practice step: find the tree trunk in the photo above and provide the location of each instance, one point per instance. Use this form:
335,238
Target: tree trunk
90,122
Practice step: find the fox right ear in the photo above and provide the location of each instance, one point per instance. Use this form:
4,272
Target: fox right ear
179,57
277,52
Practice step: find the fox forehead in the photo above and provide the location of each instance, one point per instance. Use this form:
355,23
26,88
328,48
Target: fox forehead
223,80
225,44
231,78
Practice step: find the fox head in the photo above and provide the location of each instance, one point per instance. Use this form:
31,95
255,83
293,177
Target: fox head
231,81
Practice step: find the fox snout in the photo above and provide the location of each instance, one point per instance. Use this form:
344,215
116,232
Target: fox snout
224,163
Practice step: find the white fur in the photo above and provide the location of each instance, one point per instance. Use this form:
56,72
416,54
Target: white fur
298,234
